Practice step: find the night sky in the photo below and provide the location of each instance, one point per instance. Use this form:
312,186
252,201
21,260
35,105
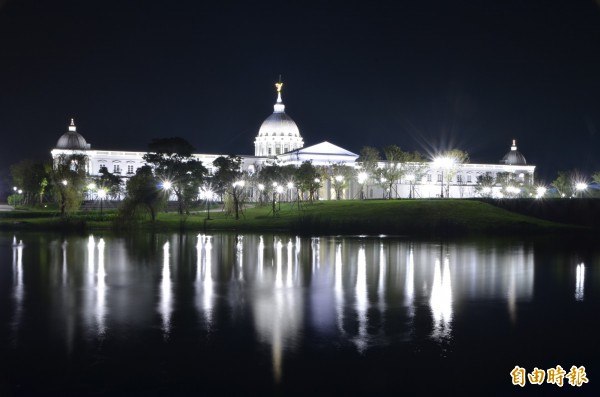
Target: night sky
425,75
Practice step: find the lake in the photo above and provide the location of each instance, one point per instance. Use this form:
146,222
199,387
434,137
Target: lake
153,314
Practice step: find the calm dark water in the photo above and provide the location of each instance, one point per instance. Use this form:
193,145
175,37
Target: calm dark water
223,314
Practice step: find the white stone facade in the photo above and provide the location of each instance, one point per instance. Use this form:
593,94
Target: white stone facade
279,141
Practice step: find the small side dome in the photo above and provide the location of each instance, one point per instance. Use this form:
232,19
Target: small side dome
514,157
72,140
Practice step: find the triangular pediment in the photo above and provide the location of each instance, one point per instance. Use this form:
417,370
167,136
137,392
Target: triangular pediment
325,148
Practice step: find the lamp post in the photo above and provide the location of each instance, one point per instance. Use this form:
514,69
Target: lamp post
410,178
540,192
362,178
338,182
101,196
261,189
279,190
581,187
166,186
290,186
208,194
443,163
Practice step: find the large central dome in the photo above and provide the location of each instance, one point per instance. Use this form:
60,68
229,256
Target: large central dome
278,133
514,157
72,140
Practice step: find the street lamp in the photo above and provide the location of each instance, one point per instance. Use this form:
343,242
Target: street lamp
208,194
410,178
581,187
443,163
261,189
166,186
65,182
338,179
290,186
279,190
362,178
101,196
540,191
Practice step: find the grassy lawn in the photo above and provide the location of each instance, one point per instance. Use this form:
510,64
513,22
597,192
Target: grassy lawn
408,217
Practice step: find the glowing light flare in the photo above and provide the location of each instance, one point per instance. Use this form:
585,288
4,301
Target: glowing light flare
362,177
540,191
167,185
443,162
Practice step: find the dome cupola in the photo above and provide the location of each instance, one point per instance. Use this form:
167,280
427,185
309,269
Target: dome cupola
514,157
72,140
278,133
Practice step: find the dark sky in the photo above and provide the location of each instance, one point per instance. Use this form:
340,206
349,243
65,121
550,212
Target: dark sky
425,75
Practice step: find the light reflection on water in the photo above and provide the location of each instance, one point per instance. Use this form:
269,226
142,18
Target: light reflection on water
359,292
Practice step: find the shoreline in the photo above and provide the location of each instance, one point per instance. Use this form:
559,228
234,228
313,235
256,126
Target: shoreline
422,218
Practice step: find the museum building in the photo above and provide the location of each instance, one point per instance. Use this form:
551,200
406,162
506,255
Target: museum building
279,142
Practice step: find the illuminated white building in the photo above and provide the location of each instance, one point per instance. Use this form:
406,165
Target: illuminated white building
279,142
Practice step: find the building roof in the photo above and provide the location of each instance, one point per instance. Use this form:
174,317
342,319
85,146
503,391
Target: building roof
514,157
72,140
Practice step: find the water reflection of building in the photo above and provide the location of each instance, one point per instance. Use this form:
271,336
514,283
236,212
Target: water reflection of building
204,278
579,281
165,306
277,302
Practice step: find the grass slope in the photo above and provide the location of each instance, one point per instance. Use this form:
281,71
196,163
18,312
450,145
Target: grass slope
407,217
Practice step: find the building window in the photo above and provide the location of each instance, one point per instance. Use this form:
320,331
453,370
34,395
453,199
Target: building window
439,177
428,177
459,178
278,150
116,169
469,179
269,152
130,169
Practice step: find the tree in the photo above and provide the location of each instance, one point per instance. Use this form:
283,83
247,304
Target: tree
448,162
68,178
229,182
308,179
143,193
563,184
392,170
339,174
173,162
415,168
111,183
484,185
31,178
596,177
369,160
